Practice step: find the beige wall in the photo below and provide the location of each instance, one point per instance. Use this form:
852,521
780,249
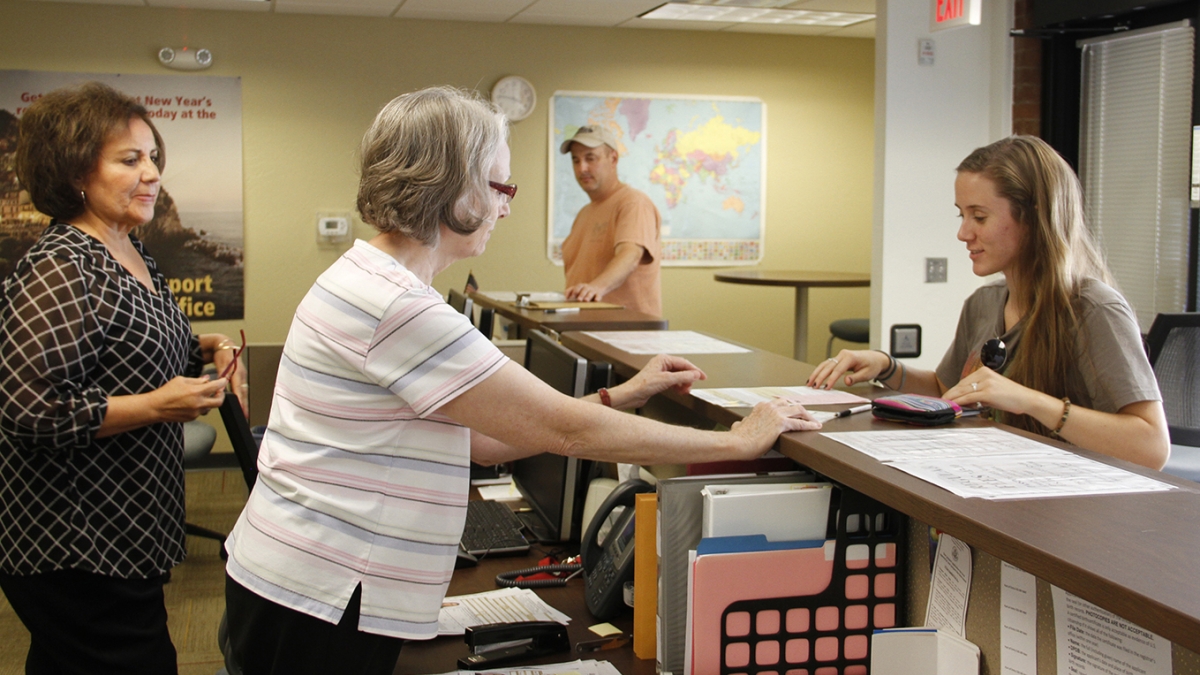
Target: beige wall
312,84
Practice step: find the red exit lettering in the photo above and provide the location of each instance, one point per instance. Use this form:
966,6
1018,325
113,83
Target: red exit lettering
948,10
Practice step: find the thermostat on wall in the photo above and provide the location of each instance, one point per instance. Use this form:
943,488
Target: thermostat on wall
333,228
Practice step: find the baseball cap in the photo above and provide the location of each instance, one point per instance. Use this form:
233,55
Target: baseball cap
591,135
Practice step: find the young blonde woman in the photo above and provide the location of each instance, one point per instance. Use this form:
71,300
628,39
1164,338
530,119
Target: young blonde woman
1053,347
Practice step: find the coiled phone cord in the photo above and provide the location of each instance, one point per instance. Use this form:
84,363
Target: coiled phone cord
510,580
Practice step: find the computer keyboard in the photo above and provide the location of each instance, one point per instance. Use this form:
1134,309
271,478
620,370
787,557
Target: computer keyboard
492,529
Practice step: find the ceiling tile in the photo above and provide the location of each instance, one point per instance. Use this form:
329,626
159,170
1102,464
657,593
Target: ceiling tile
352,7
864,6
236,5
670,24
140,3
585,12
461,10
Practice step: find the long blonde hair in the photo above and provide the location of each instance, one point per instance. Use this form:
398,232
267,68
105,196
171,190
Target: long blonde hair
1057,255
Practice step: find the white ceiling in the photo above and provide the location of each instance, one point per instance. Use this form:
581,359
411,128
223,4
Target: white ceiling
611,13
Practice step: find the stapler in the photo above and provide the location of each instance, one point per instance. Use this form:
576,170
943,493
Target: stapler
496,643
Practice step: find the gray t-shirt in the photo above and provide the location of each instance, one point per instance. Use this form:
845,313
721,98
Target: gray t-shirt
1111,371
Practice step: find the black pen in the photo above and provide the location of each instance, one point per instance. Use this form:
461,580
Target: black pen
866,407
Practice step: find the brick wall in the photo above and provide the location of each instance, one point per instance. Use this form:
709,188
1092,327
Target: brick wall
1027,75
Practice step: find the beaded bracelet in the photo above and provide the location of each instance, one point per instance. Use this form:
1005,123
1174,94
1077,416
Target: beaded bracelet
604,396
1066,413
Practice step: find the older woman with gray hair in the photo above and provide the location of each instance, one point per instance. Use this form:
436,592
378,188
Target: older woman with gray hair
385,395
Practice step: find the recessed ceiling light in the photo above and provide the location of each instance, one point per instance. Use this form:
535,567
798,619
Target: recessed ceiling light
752,11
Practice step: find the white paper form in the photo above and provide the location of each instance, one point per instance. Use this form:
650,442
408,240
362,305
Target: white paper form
994,464
748,397
889,446
507,605
511,296
665,342
1018,621
950,587
1026,477
588,667
1094,641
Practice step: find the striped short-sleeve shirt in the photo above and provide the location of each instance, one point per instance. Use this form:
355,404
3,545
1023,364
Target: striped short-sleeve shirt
361,479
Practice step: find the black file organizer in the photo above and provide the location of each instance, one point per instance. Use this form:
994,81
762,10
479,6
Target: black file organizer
801,626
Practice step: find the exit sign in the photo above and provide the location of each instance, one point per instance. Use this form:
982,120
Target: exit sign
955,13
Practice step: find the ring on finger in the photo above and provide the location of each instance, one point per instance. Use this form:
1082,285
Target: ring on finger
974,386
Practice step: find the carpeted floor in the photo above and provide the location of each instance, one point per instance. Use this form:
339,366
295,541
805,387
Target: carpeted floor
196,594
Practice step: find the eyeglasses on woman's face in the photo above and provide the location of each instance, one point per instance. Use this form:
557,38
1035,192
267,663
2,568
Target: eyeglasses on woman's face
993,354
507,190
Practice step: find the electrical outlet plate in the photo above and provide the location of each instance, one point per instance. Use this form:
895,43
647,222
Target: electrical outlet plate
906,340
935,270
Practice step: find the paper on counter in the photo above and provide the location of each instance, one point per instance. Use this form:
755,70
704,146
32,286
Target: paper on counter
506,605
748,397
1094,641
1018,621
992,463
950,587
589,667
504,492
665,342
511,296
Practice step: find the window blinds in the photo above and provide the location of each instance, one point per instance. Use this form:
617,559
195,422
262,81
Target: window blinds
1135,151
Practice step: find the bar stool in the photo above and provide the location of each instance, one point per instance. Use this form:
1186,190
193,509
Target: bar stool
850,330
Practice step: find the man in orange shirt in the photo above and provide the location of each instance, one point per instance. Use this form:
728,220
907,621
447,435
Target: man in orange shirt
614,248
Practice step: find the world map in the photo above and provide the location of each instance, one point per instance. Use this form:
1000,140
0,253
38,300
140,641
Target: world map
701,161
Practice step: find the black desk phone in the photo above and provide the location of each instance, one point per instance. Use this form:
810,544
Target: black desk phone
607,566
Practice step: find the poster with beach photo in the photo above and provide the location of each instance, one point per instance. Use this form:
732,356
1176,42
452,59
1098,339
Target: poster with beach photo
196,236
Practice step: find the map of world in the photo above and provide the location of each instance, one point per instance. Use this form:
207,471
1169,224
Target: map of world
701,161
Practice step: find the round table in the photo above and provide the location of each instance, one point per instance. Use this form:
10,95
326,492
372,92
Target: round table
801,281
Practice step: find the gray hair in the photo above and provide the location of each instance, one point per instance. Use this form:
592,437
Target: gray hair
425,163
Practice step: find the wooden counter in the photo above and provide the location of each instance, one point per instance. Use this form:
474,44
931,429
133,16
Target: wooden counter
1137,555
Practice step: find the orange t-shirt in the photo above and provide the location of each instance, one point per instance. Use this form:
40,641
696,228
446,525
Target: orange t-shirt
626,215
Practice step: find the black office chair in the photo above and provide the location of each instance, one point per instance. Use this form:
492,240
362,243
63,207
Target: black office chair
1173,346
198,440
850,330
245,447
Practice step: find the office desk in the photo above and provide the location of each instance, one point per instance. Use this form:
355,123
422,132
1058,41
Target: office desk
441,654
1135,555
584,319
801,281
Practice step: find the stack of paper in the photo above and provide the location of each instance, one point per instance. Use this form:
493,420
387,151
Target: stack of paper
589,667
781,512
994,464
507,605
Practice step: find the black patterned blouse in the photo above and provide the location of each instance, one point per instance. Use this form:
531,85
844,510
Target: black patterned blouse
75,328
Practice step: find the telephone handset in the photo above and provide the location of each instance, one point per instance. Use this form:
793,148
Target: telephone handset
607,566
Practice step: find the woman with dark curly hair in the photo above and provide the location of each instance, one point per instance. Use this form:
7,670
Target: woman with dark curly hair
1052,348
99,370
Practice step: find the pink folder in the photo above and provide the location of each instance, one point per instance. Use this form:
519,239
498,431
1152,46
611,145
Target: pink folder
722,579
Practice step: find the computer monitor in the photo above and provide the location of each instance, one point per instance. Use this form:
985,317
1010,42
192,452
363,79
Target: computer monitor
554,486
462,304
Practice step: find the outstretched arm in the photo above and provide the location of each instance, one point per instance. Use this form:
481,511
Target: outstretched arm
626,257
1136,433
